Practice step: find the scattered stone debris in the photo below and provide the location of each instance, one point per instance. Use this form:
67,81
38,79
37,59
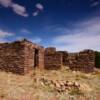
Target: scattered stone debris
64,86
45,85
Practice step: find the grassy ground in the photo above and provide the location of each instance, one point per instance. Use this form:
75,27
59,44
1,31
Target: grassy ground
30,87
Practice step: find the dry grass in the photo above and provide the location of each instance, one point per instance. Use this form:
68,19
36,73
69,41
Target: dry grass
16,87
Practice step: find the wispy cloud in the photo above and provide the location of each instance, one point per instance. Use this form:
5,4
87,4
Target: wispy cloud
26,31
4,35
86,35
94,3
18,9
6,3
39,8
21,10
36,13
36,40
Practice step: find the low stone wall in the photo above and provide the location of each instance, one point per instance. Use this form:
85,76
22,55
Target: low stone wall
83,61
12,57
53,59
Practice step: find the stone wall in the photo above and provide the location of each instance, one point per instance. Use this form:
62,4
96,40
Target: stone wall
65,60
53,59
83,61
12,57
20,57
34,56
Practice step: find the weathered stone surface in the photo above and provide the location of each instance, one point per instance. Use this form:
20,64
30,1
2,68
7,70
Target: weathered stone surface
50,50
65,61
53,59
83,61
12,57
20,57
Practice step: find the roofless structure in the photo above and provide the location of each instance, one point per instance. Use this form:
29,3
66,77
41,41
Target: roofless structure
21,57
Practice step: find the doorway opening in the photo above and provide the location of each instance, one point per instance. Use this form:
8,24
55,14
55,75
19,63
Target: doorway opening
36,58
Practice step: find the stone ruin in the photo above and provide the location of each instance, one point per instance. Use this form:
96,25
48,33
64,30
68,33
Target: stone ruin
52,58
23,56
83,61
20,57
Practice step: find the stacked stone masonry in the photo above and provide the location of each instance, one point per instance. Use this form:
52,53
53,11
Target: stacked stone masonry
53,59
83,61
12,57
23,56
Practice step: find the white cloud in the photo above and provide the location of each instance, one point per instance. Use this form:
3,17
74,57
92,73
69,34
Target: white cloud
6,3
39,6
36,13
36,40
4,35
20,10
86,35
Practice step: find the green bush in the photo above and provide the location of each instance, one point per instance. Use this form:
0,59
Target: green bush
97,59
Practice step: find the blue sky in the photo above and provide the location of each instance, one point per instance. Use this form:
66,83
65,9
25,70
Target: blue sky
71,25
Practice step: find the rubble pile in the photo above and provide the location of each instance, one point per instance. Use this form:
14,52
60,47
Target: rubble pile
64,86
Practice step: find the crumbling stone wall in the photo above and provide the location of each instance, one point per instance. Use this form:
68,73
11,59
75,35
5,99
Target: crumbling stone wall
53,59
23,56
19,57
65,60
83,61
34,56
12,57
